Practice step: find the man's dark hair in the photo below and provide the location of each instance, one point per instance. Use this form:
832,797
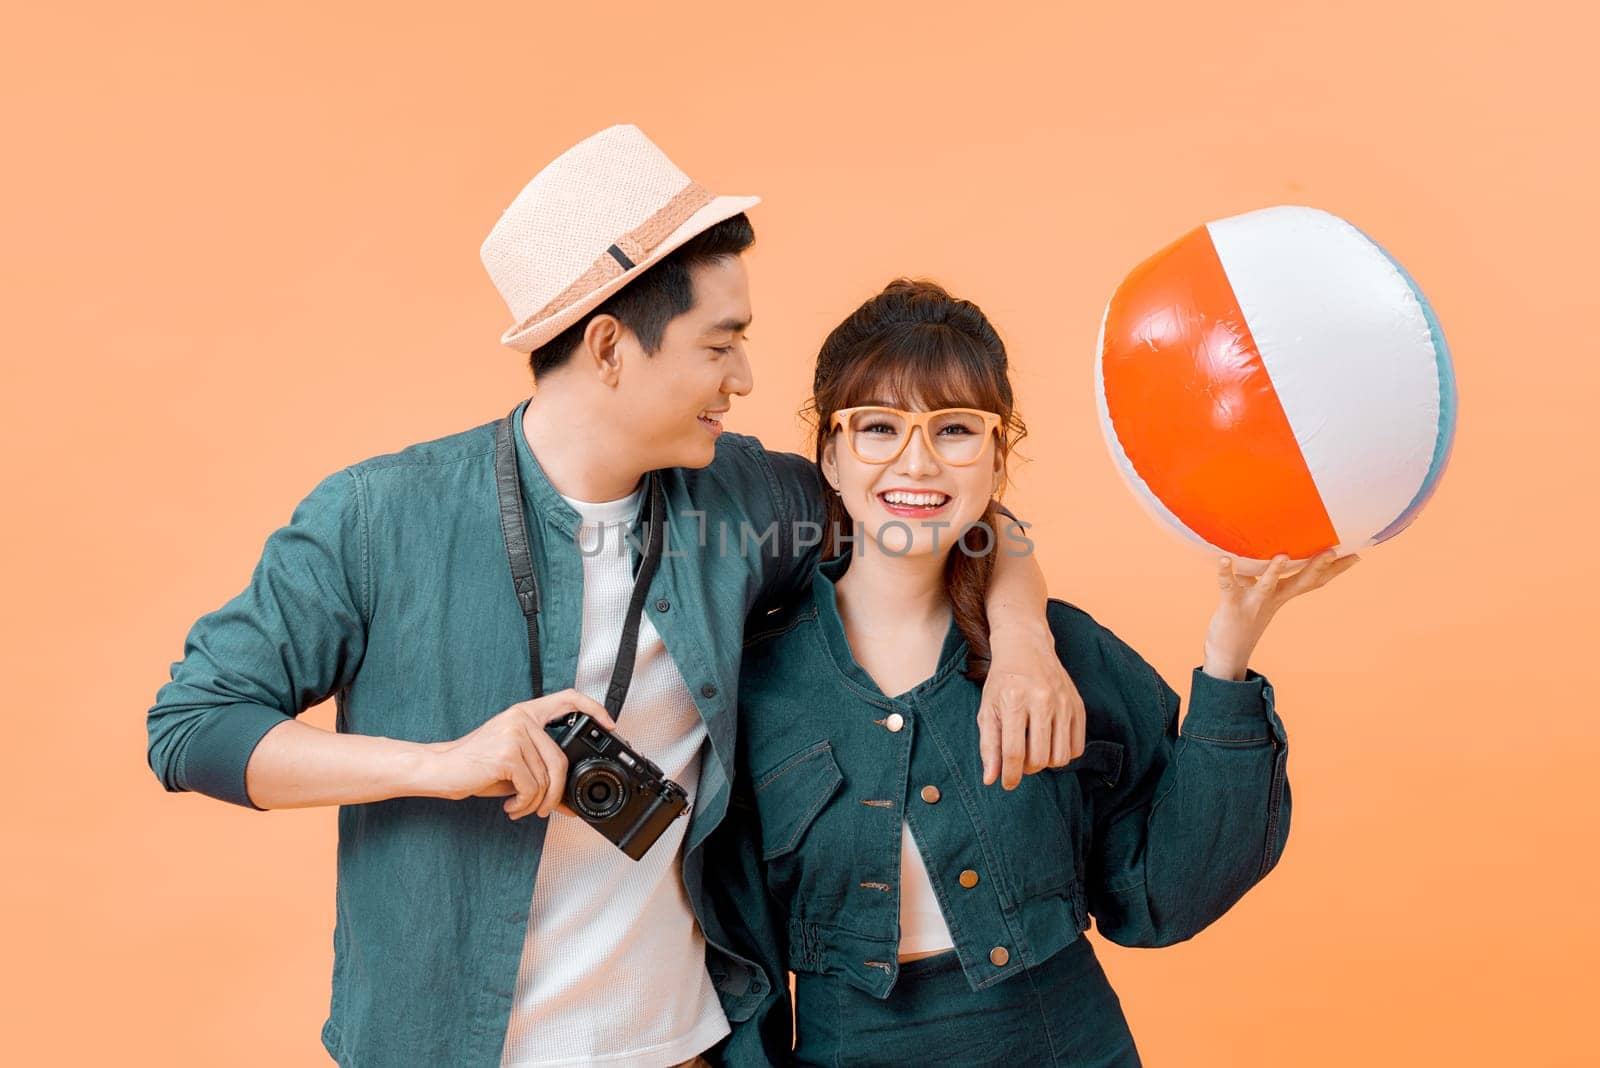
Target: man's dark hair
648,303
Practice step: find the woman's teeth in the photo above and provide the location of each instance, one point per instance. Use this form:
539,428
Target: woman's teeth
903,499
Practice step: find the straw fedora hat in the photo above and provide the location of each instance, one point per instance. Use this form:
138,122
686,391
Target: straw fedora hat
600,214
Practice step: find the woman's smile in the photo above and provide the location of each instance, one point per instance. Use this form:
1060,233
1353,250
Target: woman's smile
914,503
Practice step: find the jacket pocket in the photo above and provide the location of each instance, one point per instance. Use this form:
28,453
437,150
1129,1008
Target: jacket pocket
1100,763
789,797
1052,852
1095,772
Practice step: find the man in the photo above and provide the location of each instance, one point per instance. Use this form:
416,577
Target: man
392,591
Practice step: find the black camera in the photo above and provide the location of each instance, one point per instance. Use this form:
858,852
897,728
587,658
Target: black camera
615,790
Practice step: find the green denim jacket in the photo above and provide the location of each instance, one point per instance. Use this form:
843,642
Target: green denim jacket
389,590
1154,833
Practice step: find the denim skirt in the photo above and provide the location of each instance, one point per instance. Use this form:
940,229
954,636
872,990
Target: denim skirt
1062,1012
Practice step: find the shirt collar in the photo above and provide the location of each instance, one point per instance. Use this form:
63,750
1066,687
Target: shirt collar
537,489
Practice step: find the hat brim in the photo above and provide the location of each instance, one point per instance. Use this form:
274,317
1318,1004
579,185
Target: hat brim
529,337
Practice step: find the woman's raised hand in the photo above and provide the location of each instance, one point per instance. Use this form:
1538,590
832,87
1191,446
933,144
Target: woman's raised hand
1248,605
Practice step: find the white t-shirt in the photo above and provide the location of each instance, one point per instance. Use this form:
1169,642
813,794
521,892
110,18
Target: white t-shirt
613,967
922,925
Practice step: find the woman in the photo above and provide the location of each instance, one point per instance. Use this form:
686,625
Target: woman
929,918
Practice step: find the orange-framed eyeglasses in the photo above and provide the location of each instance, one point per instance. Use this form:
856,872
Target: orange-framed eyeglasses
878,435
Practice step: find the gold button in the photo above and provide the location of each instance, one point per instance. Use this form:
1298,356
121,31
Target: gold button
998,956
895,721
969,878
930,794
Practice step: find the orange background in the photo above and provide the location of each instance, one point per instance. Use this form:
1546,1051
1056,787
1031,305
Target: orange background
240,253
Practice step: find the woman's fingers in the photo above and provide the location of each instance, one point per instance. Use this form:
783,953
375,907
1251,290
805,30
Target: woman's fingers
1273,586
1307,577
1320,572
1270,577
1230,580
1341,567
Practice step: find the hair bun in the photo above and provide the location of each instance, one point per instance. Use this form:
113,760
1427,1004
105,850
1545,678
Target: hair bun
906,302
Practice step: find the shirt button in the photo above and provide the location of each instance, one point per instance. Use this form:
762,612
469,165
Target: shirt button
969,879
930,794
998,956
663,604
895,721
708,690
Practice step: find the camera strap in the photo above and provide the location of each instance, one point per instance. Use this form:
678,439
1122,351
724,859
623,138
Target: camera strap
515,530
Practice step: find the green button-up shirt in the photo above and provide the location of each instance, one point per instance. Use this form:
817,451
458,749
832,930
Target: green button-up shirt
1154,833
389,591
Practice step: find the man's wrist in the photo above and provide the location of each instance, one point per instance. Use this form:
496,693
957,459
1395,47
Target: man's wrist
1019,626
1020,645
414,764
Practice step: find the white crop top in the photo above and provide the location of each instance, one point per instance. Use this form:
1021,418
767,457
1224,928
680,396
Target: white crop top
922,926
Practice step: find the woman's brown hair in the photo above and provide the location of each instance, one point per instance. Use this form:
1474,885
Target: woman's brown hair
915,345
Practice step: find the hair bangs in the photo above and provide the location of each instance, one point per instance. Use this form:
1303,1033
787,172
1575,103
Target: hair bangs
922,366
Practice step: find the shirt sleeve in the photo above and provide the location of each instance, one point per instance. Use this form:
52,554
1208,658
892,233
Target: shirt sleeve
1195,819
754,923
291,639
797,491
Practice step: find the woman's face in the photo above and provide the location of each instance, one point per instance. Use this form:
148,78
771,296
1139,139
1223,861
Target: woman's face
918,502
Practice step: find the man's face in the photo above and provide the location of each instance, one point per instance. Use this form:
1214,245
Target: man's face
674,400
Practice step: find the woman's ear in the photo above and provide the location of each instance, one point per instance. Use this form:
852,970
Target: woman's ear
999,471
830,464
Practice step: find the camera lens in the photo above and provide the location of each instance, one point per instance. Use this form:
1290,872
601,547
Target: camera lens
599,790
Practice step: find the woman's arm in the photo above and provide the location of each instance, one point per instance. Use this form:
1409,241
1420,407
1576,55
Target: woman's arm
1201,817
1196,819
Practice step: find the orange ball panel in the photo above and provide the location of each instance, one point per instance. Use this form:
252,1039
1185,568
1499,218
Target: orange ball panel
1192,404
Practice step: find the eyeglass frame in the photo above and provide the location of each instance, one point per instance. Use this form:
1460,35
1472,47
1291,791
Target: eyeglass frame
991,425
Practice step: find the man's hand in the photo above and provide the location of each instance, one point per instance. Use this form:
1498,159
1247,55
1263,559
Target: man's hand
511,754
1031,717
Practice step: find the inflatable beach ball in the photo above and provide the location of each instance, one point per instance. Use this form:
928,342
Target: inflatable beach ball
1276,383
